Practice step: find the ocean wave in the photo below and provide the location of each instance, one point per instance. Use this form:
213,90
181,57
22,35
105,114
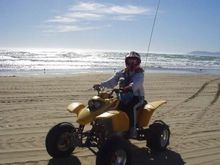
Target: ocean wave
14,61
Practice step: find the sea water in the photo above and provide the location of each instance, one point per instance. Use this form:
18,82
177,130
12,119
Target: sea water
37,62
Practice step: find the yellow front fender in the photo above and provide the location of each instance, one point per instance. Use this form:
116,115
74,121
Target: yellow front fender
75,108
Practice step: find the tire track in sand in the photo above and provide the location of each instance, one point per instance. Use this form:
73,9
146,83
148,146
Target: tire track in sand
200,90
196,140
196,94
198,114
212,102
216,96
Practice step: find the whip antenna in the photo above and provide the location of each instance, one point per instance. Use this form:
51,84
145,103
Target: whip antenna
152,30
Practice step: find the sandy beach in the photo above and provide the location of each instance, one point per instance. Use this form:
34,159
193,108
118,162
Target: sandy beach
30,106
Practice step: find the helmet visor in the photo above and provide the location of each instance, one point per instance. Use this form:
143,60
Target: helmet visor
132,61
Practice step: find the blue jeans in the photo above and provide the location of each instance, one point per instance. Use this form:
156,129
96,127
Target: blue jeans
131,108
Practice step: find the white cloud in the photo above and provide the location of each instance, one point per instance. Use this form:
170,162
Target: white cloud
66,28
88,6
62,19
131,10
82,15
109,9
70,28
75,17
124,18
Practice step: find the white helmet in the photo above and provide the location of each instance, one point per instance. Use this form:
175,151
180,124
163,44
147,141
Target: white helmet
133,55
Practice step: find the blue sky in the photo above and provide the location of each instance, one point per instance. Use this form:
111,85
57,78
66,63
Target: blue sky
181,26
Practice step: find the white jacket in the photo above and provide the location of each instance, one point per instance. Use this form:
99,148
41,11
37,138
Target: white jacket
136,81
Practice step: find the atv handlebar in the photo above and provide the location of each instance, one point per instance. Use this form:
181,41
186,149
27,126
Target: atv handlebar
99,88
116,90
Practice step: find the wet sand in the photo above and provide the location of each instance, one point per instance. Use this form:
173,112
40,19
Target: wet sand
30,106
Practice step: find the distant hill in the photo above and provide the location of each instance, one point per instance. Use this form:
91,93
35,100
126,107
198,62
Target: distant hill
207,53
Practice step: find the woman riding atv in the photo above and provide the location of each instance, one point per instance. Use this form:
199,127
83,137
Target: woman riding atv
109,126
131,81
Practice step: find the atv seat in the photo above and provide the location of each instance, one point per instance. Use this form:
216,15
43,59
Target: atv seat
142,106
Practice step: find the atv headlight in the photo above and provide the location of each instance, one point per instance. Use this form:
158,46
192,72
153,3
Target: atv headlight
94,105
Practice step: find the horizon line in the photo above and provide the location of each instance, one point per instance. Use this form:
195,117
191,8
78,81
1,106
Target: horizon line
86,50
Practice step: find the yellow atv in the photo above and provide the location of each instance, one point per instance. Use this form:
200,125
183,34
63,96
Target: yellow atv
109,128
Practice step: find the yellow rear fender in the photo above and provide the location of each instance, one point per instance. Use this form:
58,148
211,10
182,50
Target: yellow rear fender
145,114
76,108
154,105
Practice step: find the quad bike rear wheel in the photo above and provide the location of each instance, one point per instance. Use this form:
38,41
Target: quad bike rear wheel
59,141
159,136
114,151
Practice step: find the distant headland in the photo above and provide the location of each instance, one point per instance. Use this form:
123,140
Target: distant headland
204,53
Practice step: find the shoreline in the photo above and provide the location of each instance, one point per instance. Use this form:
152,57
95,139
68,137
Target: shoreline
109,71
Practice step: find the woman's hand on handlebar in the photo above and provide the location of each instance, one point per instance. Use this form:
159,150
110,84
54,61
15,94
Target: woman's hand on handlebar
127,88
97,87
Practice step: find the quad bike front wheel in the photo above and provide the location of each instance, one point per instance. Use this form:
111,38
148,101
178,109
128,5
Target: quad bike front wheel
59,141
114,151
159,136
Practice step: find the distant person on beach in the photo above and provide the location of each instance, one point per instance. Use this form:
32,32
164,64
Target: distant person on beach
131,80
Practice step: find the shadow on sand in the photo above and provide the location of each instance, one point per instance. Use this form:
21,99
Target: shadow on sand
143,156
71,160
140,156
